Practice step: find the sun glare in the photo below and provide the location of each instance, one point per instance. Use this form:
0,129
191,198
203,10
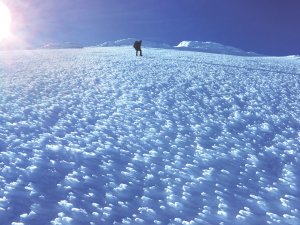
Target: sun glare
5,21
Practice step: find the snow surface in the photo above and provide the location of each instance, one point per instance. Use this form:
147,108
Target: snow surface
100,136
213,47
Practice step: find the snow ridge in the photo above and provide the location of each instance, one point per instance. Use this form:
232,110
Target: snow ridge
212,47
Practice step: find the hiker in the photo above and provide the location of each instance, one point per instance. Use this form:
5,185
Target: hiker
137,45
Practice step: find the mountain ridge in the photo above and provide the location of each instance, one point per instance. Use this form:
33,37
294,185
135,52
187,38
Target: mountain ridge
212,47
208,47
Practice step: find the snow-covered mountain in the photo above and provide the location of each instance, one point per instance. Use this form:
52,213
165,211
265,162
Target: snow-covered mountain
99,136
13,43
212,47
130,41
62,45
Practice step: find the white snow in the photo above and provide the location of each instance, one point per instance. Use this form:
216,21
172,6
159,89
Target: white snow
100,136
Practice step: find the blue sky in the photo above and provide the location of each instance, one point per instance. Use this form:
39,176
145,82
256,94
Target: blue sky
263,26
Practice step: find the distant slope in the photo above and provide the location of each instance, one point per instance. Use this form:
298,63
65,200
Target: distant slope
130,41
63,45
212,47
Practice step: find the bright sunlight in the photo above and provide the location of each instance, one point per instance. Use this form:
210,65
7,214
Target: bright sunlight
5,21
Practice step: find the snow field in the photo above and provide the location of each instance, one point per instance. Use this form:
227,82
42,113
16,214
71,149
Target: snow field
99,136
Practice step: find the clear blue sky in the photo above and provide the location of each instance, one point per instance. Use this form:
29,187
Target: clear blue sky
263,26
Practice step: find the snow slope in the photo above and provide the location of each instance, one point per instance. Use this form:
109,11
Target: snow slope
63,45
213,47
100,136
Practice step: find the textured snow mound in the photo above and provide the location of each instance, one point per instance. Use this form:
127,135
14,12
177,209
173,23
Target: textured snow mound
212,47
100,136
130,42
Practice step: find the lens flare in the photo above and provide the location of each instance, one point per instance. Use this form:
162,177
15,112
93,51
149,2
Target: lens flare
5,21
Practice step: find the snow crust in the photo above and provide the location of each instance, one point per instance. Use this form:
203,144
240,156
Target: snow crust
100,136
212,47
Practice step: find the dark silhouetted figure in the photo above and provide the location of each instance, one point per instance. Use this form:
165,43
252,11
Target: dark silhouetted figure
137,45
